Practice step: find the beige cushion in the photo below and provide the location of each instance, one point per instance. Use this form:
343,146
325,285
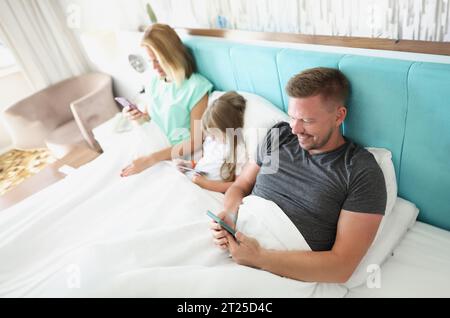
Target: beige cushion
64,139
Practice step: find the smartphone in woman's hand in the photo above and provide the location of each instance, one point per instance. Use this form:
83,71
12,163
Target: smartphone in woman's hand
125,103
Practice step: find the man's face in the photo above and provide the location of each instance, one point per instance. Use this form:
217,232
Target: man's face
314,121
155,63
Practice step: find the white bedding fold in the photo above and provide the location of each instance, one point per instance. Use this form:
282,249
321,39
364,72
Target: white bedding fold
264,220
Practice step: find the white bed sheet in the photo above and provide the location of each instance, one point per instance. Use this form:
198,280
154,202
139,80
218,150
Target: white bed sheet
94,225
419,266
97,234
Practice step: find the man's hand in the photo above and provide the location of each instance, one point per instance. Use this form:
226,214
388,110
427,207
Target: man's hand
138,166
218,233
244,250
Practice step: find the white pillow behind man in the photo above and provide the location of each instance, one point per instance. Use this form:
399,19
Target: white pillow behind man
398,218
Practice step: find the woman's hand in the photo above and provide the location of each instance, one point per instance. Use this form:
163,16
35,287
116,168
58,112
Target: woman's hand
218,233
138,165
135,114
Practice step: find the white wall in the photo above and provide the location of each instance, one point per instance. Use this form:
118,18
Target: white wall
107,29
108,43
108,52
394,19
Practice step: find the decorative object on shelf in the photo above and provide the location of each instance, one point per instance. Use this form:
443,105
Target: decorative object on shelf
151,14
221,22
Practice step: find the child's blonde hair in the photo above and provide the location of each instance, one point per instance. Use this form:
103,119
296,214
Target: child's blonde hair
175,59
227,115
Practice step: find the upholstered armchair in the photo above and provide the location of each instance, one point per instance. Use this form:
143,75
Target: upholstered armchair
62,116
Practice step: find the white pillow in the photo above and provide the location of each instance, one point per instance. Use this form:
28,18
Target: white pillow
392,229
260,115
384,160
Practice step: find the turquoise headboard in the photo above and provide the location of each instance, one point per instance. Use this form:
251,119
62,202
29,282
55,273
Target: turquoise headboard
403,106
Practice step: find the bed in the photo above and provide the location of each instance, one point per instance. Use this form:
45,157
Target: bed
94,234
418,267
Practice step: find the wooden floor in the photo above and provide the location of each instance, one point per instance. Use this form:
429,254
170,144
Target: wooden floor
47,176
18,165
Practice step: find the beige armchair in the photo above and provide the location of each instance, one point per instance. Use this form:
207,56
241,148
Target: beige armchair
62,116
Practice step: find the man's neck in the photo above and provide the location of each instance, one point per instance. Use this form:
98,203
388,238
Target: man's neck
333,144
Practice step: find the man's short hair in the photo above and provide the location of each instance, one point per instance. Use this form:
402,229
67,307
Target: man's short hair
330,83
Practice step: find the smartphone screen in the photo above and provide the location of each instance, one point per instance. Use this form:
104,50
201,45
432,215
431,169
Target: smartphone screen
221,223
202,173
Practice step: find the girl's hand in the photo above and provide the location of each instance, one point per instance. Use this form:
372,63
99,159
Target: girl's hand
199,180
182,163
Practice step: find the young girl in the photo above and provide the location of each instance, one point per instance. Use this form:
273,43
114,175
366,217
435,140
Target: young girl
223,148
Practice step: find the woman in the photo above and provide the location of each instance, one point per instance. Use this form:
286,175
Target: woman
178,97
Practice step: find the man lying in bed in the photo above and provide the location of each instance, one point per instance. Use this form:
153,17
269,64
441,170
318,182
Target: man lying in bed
331,188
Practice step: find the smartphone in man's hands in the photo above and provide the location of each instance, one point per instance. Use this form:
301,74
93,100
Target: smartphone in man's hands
222,223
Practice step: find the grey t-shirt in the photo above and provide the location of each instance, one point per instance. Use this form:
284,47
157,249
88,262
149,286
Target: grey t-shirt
313,189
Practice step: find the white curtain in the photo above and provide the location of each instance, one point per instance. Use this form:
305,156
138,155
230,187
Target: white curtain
43,45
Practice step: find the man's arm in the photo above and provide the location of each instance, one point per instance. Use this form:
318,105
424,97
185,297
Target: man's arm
242,187
355,234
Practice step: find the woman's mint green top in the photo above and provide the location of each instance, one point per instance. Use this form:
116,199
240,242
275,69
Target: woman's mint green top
170,106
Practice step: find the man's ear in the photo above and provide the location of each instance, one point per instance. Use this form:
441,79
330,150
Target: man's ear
341,114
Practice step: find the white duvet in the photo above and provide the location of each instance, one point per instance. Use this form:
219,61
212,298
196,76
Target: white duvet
95,234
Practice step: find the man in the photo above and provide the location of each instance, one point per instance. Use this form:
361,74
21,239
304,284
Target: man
332,189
